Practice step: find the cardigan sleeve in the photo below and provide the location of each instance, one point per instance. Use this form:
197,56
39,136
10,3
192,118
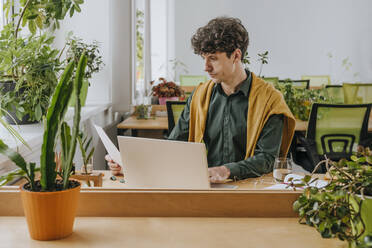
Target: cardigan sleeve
267,148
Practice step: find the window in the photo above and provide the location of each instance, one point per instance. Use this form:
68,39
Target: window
142,59
152,51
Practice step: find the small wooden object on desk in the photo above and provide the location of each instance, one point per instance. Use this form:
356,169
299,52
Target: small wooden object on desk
96,177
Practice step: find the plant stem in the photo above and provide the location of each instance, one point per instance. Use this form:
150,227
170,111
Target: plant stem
259,74
20,18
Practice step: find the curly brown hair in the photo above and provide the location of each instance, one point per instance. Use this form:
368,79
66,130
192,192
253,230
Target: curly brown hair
222,34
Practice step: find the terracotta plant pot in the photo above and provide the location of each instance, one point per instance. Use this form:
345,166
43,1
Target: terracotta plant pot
50,215
163,100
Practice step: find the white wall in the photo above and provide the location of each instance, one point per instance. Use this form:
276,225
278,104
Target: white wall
92,24
297,34
108,22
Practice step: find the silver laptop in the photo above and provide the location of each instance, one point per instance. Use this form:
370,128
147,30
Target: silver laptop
156,163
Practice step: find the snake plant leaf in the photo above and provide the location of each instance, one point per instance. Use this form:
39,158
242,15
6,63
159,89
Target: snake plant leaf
13,156
55,115
78,82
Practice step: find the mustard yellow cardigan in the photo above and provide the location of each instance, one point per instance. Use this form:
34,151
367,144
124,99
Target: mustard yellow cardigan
264,101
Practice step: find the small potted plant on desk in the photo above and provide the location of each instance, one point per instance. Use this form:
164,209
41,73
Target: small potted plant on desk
49,203
167,91
343,208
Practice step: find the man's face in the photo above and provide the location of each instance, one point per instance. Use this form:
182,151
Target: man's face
219,67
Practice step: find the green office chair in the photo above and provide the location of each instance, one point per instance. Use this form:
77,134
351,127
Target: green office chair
318,80
192,80
357,93
299,84
335,92
271,80
335,130
174,111
189,82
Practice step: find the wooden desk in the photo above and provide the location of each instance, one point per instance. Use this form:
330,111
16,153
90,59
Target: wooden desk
94,232
141,230
115,200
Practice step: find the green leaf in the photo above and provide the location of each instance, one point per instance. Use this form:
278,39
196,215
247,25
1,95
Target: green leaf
38,112
296,206
39,22
307,178
72,10
32,26
32,17
369,159
354,158
13,156
77,8
55,115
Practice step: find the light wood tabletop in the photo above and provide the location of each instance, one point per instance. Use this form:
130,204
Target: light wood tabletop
161,123
173,232
155,123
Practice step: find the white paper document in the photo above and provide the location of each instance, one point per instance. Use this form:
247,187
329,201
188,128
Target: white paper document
296,178
110,147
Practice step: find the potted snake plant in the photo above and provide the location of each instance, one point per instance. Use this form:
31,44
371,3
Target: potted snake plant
50,203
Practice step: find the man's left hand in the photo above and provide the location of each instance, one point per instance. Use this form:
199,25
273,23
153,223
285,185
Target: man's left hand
218,174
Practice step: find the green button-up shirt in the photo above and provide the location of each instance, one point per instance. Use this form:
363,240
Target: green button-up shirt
225,134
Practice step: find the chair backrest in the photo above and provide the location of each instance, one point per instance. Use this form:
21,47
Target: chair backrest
338,129
174,111
357,93
318,80
336,92
192,80
271,80
300,84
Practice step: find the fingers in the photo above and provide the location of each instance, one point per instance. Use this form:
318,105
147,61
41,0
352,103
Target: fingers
108,158
218,174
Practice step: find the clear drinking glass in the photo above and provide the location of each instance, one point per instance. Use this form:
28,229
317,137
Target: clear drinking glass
282,167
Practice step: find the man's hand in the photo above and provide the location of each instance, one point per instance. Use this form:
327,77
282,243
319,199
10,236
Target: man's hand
218,174
114,167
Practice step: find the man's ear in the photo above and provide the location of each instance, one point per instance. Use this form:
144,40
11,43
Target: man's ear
237,55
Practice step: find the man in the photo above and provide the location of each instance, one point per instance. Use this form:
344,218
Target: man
243,121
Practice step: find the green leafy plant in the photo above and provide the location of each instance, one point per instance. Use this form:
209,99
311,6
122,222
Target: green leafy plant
29,61
32,65
335,210
300,100
142,111
246,59
54,125
76,47
41,14
263,58
86,151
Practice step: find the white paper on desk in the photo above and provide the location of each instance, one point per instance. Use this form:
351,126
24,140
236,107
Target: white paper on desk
110,147
296,178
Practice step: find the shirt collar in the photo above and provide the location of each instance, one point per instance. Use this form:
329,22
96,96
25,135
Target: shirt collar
244,86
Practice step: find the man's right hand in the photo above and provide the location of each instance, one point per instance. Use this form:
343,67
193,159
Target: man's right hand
114,167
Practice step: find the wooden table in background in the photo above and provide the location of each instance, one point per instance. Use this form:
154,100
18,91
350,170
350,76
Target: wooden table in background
161,123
